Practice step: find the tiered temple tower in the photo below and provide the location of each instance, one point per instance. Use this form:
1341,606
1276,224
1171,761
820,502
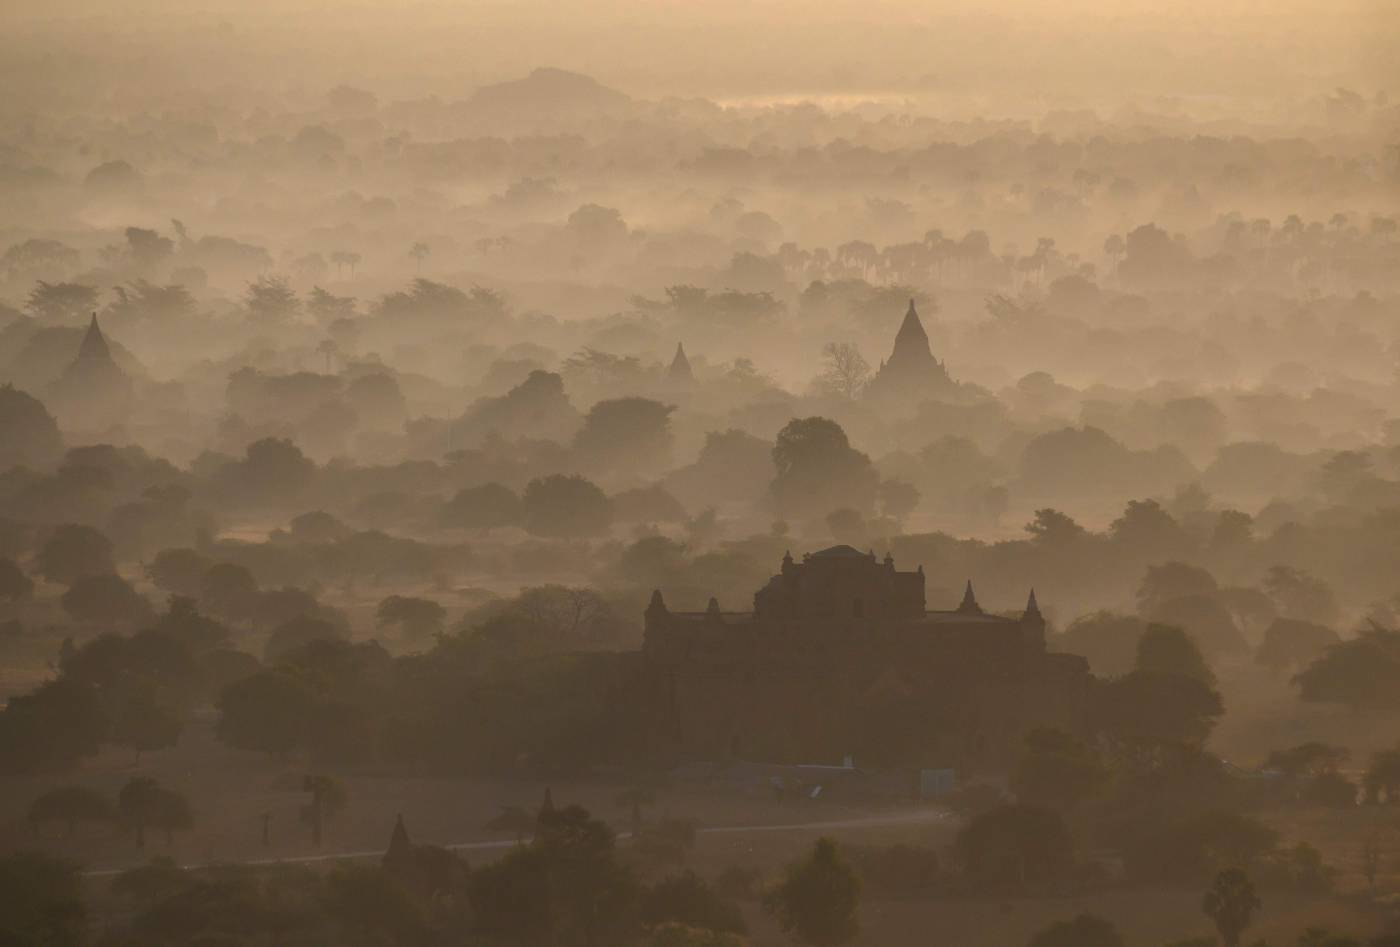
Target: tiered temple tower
911,372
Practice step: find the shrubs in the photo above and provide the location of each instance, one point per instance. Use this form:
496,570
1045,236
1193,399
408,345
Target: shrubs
899,871
1013,847
1190,849
1086,930
818,898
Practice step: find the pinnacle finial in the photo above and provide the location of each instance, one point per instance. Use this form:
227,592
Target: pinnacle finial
1032,607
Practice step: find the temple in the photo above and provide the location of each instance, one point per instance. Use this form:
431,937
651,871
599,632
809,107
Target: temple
93,392
679,374
840,656
911,372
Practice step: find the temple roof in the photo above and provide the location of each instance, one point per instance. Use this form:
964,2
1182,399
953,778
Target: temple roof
680,366
839,552
911,335
94,347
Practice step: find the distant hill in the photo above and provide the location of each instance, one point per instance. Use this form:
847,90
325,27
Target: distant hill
548,90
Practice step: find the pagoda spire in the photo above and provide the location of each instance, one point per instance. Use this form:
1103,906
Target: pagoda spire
911,337
969,605
94,347
680,366
399,844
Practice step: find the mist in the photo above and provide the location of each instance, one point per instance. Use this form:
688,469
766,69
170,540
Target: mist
668,475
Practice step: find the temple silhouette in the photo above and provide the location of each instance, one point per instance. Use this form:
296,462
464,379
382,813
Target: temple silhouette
679,372
911,373
93,392
841,656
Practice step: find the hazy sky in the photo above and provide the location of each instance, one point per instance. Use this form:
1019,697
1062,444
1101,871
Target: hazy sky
1064,51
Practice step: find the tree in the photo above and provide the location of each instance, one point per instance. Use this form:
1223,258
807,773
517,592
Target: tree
687,899
1164,649
667,841
1054,529
566,507
1085,930
898,498
416,619
1231,903
489,506
326,307
328,799
270,299
1307,759
1146,709
70,805
1107,640
74,551
596,227
56,724
818,470
268,711
99,598
634,433
1290,643
420,251
1300,595
550,619
296,633
274,468
328,349
1361,672
565,888
649,504
41,901
1057,770
62,302
228,590
147,247
141,723
1197,846
1383,777
15,586
344,258
179,571
846,525
1013,846
145,803
39,256
1172,580
1146,529
31,433
818,898
845,373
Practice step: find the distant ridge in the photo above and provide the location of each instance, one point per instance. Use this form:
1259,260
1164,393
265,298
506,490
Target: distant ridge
548,89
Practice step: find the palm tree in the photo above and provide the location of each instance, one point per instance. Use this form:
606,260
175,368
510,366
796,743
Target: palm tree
1231,903
328,348
420,251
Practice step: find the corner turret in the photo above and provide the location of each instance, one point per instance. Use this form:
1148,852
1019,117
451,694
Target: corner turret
657,615
1034,622
400,847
